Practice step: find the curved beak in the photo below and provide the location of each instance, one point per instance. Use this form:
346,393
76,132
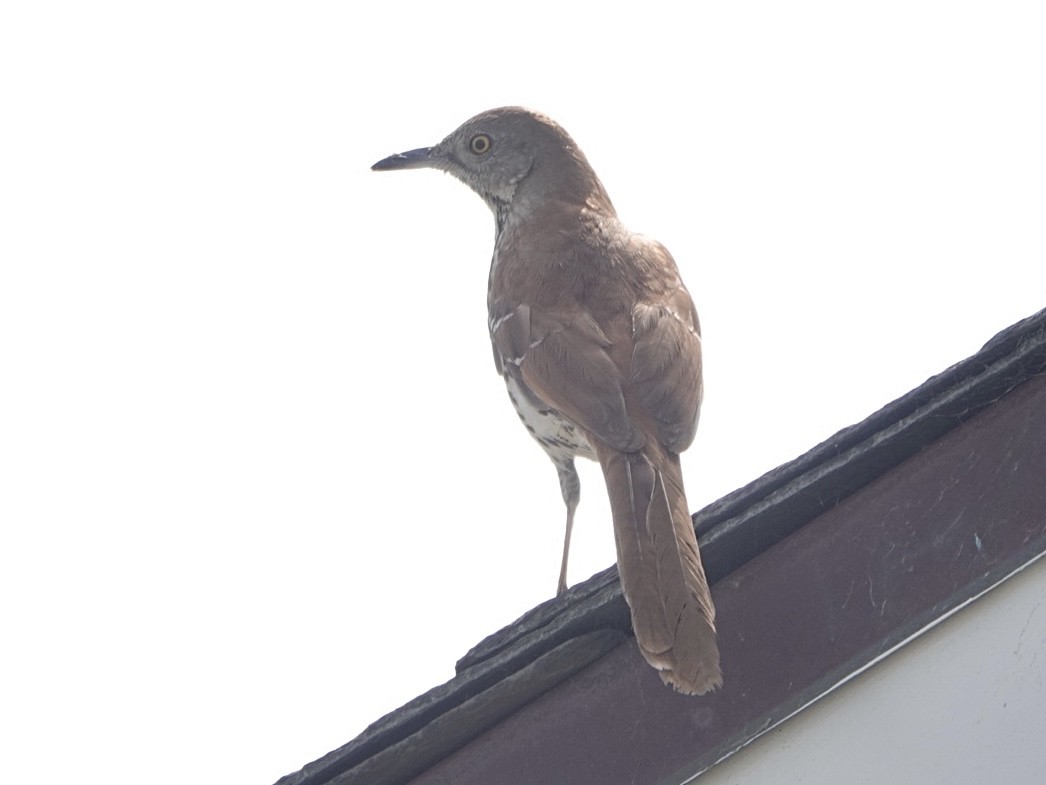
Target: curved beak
412,159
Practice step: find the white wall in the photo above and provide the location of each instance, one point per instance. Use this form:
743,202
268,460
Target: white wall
964,703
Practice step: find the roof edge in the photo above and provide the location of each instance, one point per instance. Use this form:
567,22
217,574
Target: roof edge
744,523
733,530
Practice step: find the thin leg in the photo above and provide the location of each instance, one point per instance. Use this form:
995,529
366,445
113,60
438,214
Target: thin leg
570,485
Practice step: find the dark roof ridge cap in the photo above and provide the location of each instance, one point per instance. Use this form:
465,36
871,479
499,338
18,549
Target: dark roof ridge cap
1023,343
734,527
1004,343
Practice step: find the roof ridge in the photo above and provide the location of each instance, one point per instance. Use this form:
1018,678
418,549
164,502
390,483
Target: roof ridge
733,530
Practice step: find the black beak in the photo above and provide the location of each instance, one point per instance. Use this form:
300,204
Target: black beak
412,159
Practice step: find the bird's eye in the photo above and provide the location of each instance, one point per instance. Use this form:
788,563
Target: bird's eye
479,144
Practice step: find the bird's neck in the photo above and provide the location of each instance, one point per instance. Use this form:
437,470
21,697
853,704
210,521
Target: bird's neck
559,195
546,250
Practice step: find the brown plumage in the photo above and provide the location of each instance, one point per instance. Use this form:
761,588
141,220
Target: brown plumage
599,344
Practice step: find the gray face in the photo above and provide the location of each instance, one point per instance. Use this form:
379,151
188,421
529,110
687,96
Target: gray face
487,156
491,153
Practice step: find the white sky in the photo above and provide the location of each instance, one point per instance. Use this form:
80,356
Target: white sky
259,483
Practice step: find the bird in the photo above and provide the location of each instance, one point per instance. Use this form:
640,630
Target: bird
599,344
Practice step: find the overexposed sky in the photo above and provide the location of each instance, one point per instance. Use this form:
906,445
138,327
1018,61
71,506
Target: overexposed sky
259,483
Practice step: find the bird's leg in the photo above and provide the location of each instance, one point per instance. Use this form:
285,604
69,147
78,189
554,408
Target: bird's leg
570,485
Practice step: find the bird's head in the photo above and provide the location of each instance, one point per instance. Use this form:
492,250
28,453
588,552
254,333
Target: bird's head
505,154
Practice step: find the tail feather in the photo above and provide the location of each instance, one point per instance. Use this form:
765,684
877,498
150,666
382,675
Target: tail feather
660,567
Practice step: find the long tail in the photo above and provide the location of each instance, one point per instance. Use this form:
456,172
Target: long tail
660,567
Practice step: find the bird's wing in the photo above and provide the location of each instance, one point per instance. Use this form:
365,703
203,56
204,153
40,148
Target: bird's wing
666,365
563,359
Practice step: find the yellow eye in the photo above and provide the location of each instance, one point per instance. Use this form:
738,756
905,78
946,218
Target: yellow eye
480,144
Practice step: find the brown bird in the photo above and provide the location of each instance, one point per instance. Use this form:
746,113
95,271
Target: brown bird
599,344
